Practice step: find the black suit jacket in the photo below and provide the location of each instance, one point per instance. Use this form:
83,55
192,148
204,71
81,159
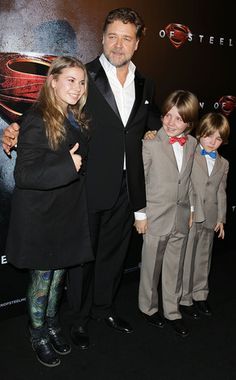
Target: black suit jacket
110,140
49,221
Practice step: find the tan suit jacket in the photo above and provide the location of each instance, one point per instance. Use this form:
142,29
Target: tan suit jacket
167,189
209,200
168,211
209,195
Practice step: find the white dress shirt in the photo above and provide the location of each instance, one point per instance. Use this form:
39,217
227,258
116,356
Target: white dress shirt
124,94
209,161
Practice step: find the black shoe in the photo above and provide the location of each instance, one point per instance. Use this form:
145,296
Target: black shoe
118,324
155,320
191,311
58,341
203,308
43,348
80,337
179,327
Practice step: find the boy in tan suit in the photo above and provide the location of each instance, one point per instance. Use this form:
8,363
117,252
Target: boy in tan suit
168,160
209,175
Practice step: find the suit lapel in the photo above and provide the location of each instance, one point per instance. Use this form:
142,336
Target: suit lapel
139,86
167,147
99,77
187,151
216,166
201,160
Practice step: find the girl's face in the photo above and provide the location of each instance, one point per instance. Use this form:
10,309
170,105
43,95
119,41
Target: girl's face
173,123
212,142
69,86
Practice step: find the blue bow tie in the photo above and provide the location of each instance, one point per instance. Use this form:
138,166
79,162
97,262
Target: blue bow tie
211,154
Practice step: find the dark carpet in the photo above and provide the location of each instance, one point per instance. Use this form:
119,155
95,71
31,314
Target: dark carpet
208,353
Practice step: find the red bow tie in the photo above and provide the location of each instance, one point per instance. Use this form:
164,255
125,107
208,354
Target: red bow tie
181,140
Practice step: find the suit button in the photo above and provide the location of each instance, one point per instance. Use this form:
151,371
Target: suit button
126,132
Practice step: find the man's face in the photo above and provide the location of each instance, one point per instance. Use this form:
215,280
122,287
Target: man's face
119,43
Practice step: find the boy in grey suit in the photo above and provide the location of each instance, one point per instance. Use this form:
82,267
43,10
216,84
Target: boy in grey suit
168,160
209,175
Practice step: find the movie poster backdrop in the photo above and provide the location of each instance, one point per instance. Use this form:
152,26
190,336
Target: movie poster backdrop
188,45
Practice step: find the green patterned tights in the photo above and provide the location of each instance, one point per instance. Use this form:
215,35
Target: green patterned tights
44,295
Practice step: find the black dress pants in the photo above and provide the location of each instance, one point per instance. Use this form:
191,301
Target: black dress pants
92,287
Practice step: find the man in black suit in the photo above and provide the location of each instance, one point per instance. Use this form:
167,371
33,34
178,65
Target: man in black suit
120,107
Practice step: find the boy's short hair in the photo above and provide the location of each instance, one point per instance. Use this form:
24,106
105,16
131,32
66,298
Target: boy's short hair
187,104
212,122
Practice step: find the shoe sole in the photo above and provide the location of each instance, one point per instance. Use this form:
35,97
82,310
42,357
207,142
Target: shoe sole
60,353
48,365
155,325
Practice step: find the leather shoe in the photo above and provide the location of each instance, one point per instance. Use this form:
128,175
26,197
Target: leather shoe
118,324
179,327
79,336
155,319
191,311
43,347
203,308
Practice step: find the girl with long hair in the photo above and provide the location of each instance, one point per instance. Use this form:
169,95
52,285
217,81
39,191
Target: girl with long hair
48,229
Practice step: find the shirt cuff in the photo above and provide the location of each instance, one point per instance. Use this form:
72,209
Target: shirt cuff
138,215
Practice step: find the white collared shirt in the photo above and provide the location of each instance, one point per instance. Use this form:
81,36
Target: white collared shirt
209,161
124,95
178,152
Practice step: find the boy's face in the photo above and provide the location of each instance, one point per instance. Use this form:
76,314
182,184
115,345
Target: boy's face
173,123
212,142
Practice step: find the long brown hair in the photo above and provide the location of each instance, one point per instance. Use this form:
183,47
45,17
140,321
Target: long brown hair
53,114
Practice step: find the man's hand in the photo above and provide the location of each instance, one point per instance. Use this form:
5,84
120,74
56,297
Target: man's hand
149,135
141,226
10,137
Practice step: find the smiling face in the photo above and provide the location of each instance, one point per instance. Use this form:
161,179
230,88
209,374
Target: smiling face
68,86
120,43
173,123
212,142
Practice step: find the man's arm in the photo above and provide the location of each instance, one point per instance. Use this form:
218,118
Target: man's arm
10,137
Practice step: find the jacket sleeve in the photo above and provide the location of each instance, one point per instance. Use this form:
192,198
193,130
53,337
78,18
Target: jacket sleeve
147,161
37,166
154,114
221,196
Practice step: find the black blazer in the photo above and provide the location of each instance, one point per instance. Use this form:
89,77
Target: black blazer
110,140
49,223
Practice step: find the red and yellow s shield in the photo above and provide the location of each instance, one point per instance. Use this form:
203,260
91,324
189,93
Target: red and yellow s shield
21,78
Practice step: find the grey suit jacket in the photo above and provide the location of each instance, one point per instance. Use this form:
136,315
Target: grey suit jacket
167,189
209,192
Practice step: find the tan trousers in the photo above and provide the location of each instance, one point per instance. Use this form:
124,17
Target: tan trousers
197,264
166,254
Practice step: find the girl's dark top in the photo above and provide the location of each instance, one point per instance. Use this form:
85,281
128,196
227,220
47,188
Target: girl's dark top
49,221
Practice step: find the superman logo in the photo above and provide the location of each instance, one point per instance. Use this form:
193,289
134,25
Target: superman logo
227,104
177,34
21,78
